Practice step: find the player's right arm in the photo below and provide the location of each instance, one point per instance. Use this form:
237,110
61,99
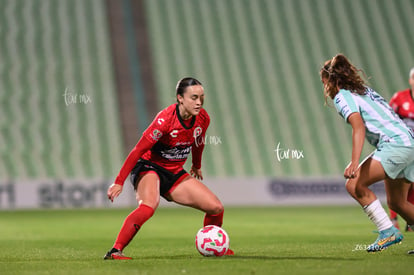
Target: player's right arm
150,136
347,106
142,146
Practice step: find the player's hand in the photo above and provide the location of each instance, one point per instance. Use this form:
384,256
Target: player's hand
196,173
113,191
351,171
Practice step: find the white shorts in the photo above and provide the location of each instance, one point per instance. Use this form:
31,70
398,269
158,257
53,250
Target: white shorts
397,160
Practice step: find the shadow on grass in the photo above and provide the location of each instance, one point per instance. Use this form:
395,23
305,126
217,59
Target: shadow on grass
247,257
294,258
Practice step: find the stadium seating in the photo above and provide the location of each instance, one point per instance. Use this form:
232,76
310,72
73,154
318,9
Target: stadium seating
49,49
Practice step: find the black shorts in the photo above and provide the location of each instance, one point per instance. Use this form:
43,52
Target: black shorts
168,180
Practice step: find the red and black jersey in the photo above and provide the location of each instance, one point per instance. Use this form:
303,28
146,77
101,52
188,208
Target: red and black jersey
403,104
168,141
174,137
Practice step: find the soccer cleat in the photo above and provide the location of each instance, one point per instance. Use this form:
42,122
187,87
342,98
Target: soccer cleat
386,238
115,254
229,252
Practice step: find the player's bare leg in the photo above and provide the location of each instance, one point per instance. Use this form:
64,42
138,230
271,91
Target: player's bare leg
191,192
371,171
397,198
148,190
410,199
397,191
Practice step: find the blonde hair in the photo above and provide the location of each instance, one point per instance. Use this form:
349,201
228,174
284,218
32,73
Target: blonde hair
339,72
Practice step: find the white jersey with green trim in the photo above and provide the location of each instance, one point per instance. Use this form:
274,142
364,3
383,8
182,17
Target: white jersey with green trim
382,124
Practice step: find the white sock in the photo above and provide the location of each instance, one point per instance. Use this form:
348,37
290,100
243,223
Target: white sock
377,215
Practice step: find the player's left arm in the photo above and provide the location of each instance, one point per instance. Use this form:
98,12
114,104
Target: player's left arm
358,138
197,151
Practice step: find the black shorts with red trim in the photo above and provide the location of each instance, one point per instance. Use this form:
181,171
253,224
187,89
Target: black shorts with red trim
168,180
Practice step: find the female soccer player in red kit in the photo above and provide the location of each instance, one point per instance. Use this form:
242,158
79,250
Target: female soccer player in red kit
403,104
156,165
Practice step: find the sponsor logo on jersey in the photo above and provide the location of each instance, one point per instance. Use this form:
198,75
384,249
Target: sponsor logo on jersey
197,132
174,133
177,153
160,121
156,135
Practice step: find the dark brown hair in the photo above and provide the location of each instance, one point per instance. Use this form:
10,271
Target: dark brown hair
340,73
184,83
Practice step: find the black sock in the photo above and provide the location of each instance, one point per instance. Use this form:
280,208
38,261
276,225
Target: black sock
113,250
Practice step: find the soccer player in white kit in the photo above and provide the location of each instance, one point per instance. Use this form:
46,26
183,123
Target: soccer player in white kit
371,117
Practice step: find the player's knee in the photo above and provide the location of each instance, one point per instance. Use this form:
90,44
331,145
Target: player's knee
350,186
153,203
216,208
356,189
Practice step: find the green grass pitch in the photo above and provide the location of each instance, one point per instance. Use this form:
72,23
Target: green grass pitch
276,240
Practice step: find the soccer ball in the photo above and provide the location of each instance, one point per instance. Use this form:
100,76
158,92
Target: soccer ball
212,240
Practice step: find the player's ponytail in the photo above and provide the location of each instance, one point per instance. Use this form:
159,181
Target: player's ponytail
184,83
340,73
